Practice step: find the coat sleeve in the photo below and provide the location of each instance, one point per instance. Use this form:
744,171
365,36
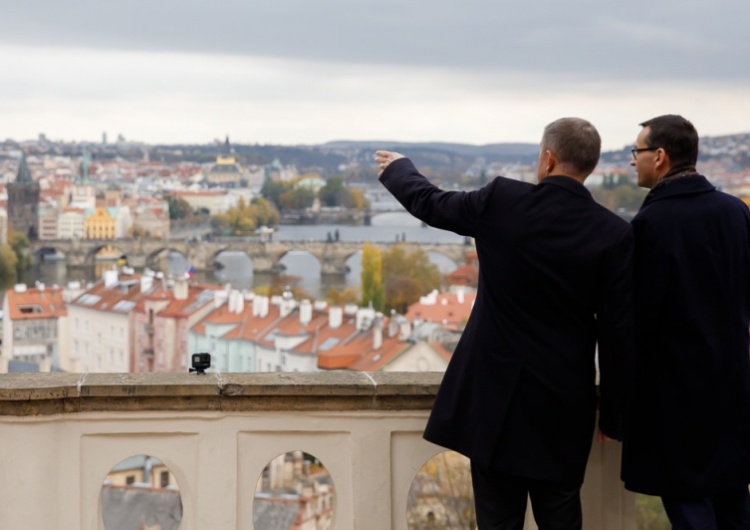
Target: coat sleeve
457,211
615,336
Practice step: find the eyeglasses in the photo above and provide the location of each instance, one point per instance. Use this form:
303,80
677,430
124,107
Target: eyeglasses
637,150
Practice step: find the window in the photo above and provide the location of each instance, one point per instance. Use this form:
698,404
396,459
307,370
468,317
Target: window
130,479
164,479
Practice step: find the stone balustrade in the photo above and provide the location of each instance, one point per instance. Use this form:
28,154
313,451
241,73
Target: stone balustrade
61,434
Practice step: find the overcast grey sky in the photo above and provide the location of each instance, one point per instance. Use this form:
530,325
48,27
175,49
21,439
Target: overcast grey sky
297,71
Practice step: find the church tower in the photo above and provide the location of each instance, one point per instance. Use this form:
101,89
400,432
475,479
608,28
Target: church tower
23,203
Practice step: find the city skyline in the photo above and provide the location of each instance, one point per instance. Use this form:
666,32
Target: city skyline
298,73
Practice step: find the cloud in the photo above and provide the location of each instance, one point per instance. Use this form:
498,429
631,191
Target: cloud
580,38
295,71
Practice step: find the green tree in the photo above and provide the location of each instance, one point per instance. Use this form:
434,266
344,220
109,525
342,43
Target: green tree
20,246
372,279
329,194
8,266
272,190
297,199
408,275
334,193
179,208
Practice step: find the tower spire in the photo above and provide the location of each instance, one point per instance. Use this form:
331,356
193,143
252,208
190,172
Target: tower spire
23,175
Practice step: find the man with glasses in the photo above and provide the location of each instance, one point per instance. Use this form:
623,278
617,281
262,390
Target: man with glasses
519,396
689,429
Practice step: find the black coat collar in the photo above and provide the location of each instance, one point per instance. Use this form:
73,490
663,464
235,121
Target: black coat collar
567,183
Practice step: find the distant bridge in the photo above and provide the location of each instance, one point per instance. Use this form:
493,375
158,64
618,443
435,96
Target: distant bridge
265,255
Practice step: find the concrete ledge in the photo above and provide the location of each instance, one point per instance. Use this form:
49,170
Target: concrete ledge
33,394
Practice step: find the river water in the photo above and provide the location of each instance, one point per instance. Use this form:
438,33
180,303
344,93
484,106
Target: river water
237,267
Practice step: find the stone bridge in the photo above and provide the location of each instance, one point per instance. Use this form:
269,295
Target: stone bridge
265,255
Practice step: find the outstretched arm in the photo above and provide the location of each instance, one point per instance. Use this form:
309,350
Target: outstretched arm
457,211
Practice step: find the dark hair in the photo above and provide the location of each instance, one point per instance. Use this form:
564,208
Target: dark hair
575,142
676,136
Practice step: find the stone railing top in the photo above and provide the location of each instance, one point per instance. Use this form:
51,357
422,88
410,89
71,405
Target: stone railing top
32,394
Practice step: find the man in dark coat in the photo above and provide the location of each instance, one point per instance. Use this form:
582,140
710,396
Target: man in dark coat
689,436
519,395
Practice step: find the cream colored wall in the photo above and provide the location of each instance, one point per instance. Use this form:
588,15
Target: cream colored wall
105,330
217,457
418,358
214,202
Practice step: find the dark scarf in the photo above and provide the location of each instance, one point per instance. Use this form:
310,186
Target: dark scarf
676,173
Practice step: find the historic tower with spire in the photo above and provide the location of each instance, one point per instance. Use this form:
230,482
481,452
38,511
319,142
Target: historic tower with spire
23,203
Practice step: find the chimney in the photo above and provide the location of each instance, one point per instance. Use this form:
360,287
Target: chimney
180,289
365,317
350,309
460,296
288,303
377,331
305,312
264,305
257,304
335,317
110,279
147,282
404,328
239,302
219,298
20,288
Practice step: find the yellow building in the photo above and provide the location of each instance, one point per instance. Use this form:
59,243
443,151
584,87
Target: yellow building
142,470
99,224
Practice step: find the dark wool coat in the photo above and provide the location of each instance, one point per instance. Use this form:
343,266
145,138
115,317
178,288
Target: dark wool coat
555,275
690,424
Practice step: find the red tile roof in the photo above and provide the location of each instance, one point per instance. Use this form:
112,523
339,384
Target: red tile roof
35,304
446,310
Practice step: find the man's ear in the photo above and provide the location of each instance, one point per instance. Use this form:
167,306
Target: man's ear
662,160
551,161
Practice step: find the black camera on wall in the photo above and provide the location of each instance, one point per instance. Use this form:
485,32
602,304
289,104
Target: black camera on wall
201,361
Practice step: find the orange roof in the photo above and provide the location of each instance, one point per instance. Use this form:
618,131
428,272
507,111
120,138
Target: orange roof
446,309
35,304
465,275
120,298
334,348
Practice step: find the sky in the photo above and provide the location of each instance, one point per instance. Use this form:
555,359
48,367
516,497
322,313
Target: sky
307,72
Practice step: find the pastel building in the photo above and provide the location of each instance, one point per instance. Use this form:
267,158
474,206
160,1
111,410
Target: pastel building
162,320
71,224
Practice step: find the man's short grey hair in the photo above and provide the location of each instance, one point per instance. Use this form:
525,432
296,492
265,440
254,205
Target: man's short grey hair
575,142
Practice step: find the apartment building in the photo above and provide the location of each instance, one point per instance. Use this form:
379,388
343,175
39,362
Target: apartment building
101,323
34,330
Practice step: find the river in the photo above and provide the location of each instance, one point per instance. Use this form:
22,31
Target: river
237,267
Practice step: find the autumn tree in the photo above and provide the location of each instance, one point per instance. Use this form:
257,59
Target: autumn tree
348,295
372,278
263,212
407,276
237,220
242,219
